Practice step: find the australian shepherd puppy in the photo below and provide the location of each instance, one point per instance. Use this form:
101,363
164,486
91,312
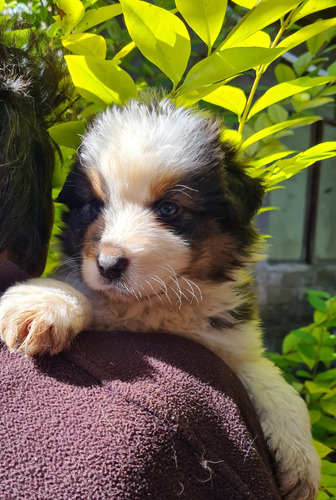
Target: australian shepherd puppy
159,236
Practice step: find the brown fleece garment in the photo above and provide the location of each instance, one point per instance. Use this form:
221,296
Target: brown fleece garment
127,416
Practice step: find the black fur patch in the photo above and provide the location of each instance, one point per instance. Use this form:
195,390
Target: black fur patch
84,208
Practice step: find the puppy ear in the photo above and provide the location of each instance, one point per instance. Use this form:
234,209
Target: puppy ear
76,189
247,192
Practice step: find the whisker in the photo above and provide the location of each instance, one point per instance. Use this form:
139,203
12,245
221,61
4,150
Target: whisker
191,284
179,301
146,295
155,292
163,288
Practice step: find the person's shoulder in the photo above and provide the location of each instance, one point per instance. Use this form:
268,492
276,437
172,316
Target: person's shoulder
10,273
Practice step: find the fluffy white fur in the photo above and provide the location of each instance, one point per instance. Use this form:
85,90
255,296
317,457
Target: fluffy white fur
129,150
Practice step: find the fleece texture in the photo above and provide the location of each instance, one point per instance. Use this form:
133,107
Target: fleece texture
125,415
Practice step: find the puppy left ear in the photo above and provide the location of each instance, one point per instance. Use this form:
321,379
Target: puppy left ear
248,192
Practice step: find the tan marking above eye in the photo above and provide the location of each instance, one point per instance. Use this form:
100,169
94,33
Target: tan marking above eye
97,183
161,184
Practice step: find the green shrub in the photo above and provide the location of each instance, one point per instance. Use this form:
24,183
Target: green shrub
308,364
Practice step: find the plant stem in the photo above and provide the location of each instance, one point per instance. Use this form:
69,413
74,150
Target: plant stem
260,71
249,100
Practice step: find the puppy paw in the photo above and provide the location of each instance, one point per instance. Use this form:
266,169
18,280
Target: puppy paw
42,316
298,471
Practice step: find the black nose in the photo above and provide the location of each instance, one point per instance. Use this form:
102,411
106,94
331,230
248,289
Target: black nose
113,268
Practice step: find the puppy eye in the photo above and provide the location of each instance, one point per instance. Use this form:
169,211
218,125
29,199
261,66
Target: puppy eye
168,210
91,210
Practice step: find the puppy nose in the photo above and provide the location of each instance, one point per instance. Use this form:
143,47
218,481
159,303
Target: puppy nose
112,267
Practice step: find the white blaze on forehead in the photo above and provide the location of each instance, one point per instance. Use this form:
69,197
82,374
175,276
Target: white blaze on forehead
133,144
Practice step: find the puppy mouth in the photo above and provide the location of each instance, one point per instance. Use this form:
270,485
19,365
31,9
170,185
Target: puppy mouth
122,279
153,289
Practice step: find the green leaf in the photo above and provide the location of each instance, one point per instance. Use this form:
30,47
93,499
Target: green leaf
85,44
284,73
267,209
262,15
258,39
307,351
331,339
319,151
285,169
329,482
311,7
53,29
248,4
316,42
266,132
332,69
321,449
326,354
320,317
322,495
304,336
293,358
161,37
287,89
329,424
231,98
317,303
102,82
329,468
123,52
303,373
226,64
308,354
302,63
190,98
205,17
261,122
93,17
68,134
329,406
305,33
329,91
266,160
327,375
289,343
277,113
313,103
231,136
315,416
71,12
2,4
315,388
320,293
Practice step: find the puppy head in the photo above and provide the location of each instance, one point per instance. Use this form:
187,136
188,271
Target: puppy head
157,203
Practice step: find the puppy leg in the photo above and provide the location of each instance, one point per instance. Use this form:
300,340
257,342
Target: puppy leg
285,422
42,315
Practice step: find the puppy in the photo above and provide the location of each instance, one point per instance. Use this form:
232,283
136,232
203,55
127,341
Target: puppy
159,237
